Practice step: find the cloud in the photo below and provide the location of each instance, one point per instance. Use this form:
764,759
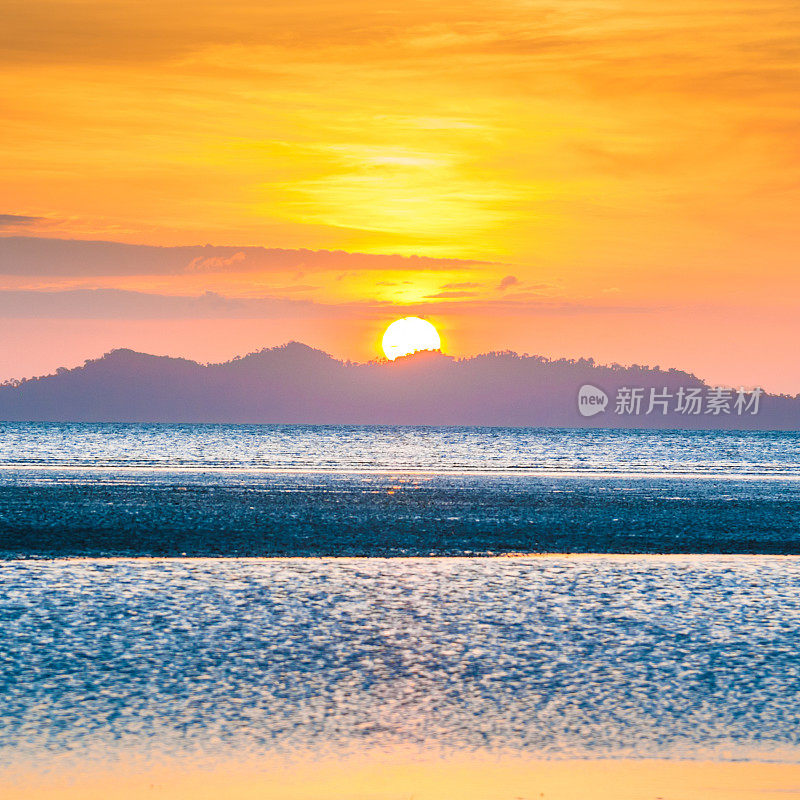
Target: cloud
509,280
90,304
33,256
450,295
123,304
216,263
18,221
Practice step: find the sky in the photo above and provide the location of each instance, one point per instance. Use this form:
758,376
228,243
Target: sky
580,178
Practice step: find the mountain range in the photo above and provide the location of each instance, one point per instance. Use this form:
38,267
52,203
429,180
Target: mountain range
295,383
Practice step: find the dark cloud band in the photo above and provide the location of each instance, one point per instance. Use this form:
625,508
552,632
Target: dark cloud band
33,256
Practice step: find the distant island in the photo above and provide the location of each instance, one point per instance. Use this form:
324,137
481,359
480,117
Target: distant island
295,383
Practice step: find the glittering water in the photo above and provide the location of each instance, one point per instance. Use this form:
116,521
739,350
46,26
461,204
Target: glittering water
222,490
376,448
585,655
561,655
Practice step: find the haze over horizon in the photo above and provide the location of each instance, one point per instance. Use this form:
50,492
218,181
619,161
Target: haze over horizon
616,181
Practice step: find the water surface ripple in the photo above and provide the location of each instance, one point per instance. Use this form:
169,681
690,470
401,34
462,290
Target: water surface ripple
641,656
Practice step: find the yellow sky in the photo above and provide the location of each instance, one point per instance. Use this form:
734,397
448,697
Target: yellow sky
634,165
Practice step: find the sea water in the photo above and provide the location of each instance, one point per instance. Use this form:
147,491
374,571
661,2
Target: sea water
139,614
222,490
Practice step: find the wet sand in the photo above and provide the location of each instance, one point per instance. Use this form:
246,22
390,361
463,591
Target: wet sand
403,779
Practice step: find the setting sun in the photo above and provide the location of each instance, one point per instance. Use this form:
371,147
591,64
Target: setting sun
409,335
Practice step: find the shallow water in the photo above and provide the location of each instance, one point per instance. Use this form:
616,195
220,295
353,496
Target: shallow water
377,448
594,656
147,513
213,658
223,490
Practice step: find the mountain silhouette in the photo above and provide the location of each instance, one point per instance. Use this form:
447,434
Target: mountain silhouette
295,383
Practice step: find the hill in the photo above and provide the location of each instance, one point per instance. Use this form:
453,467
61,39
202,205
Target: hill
298,384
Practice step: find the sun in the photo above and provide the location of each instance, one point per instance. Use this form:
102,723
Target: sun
409,335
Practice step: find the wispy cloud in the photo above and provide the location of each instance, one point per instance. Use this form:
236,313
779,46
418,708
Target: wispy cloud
18,221
450,295
88,304
32,256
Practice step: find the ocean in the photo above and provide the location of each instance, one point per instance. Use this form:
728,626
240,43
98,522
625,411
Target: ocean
227,490
200,591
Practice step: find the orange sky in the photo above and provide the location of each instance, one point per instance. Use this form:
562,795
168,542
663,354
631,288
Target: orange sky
633,165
